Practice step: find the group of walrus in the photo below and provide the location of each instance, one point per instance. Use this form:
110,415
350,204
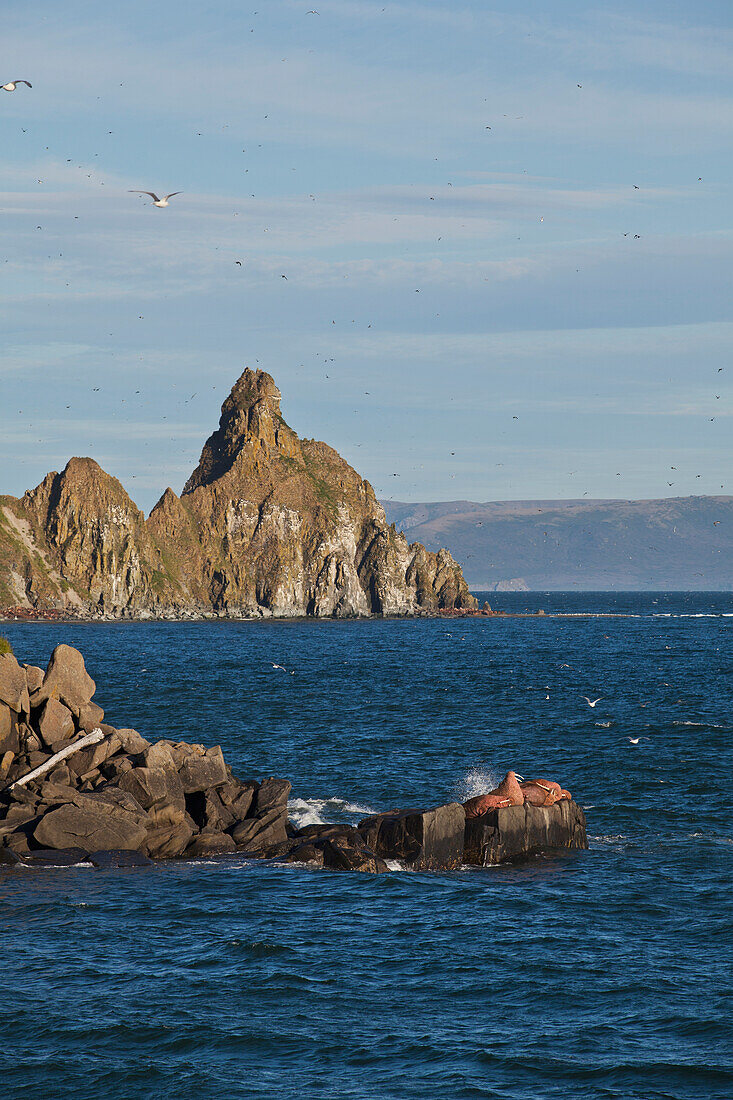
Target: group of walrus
510,792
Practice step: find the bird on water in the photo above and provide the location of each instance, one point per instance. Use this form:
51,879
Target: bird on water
154,197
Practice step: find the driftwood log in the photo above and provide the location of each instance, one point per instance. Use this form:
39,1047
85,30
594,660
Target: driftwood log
92,738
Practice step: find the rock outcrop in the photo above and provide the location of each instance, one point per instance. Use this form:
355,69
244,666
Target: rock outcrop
116,791
267,524
110,797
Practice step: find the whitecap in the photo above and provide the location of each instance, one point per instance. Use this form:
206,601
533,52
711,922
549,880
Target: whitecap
701,725
324,811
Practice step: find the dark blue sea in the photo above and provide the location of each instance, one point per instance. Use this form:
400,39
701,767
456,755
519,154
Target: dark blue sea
599,974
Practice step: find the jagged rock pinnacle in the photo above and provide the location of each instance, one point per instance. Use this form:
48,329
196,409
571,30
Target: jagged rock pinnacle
251,411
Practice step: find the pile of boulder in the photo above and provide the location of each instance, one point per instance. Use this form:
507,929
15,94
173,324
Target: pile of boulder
74,789
71,782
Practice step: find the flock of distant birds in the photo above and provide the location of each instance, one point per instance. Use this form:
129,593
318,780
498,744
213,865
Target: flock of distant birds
12,85
162,201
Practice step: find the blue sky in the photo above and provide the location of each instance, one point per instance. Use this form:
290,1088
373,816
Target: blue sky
498,284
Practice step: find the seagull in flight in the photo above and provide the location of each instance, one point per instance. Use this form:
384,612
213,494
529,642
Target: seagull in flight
13,84
154,197
593,702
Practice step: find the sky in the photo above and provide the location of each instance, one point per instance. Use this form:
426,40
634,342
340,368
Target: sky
484,248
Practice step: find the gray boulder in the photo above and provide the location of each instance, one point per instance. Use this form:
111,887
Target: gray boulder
254,834
516,832
150,786
93,822
426,840
200,769
272,794
210,844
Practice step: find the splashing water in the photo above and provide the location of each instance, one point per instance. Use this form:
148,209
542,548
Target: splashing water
323,811
479,780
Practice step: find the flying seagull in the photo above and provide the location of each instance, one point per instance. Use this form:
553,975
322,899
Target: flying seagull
593,703
154,197
13,84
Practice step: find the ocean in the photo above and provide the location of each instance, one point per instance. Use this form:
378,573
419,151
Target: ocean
598,974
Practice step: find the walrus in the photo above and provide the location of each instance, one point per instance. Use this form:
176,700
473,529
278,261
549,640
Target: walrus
483,803
508,793
552,790
536,794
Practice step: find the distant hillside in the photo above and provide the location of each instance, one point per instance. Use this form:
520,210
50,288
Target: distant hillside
679,543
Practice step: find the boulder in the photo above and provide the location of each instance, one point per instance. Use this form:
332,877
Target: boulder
9,739
200,768
153,785
516,832
56,724
169,832
13,684
209,812
90,717
210,844
6,762
342,854
34,677
66,679
131,742
91,758
305,853
157,755
272,794
240,806
426,840
93,822
55,794
256,834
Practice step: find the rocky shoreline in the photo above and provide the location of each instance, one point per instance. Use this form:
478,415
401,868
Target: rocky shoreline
74,789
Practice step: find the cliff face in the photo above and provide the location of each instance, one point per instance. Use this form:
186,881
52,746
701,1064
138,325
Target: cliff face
267,524
278,525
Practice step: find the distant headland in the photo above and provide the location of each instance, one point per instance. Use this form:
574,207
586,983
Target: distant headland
267,525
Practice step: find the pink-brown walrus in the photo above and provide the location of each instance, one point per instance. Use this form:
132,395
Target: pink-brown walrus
508,793
535,789
534,792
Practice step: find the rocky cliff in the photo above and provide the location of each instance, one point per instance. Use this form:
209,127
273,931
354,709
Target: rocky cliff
267,524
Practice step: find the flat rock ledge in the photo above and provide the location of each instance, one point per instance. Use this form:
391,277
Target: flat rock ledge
75,790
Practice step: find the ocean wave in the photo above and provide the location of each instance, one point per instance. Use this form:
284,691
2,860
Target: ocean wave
323,811
700,725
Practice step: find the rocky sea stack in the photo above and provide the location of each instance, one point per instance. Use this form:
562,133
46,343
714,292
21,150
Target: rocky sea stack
267,524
